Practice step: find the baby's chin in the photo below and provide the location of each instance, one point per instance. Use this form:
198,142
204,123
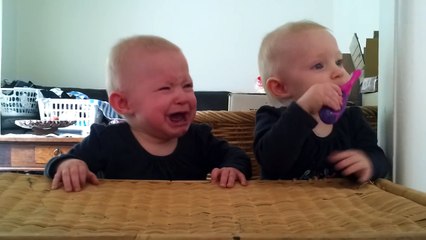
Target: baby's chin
176,132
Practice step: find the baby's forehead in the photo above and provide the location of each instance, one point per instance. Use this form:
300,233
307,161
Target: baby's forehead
303,34
305,40
151,52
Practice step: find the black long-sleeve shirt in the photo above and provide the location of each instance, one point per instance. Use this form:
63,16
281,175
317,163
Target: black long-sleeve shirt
287,148
113,152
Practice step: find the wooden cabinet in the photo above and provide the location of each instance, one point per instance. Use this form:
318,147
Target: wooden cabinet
31,153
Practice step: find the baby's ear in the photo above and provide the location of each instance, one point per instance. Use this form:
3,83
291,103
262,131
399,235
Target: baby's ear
119,102
277,88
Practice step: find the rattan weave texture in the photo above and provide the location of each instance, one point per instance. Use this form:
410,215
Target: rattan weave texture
132,209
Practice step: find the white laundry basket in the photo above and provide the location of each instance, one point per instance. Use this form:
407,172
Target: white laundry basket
19,102
84,111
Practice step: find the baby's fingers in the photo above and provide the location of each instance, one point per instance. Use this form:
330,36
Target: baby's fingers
362,172
242,178
57,181
91,178
66,180
226,177
335,102
364,176
214,175
338,156
351,169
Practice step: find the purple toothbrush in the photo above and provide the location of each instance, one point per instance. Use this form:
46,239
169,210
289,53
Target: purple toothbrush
330,116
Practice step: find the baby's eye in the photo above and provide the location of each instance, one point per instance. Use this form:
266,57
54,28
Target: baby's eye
188,85
339,62
318,66
164,88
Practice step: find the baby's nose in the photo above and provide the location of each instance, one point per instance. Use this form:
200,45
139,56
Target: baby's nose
183,97
340,76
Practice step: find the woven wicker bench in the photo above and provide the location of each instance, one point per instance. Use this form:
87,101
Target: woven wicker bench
238,128
137,209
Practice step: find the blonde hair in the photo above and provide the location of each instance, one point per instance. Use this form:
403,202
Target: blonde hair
271,51
120,51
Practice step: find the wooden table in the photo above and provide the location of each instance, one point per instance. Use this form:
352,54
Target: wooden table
31,153
135,209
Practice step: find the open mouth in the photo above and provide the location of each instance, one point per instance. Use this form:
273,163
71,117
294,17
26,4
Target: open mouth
178,117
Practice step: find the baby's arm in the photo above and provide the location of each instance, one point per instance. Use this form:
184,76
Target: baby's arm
227,176
353,162
364,143
73,174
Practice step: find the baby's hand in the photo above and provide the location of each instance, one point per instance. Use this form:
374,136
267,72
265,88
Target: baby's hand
227,176
353,162
73,174
319,95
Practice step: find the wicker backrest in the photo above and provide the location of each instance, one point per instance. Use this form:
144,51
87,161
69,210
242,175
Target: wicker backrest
237,127
370,114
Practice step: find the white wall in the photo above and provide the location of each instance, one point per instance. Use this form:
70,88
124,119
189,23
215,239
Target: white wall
387,66
1,26
410,92
355,16
65,42
402,88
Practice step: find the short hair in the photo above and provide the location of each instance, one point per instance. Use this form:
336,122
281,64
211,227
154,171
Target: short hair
271,49
120,51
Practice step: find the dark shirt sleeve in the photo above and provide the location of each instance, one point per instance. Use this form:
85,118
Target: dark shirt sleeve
222,154
88,150
280,134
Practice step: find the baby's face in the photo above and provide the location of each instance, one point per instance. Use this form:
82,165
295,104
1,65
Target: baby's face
161,95
311,57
